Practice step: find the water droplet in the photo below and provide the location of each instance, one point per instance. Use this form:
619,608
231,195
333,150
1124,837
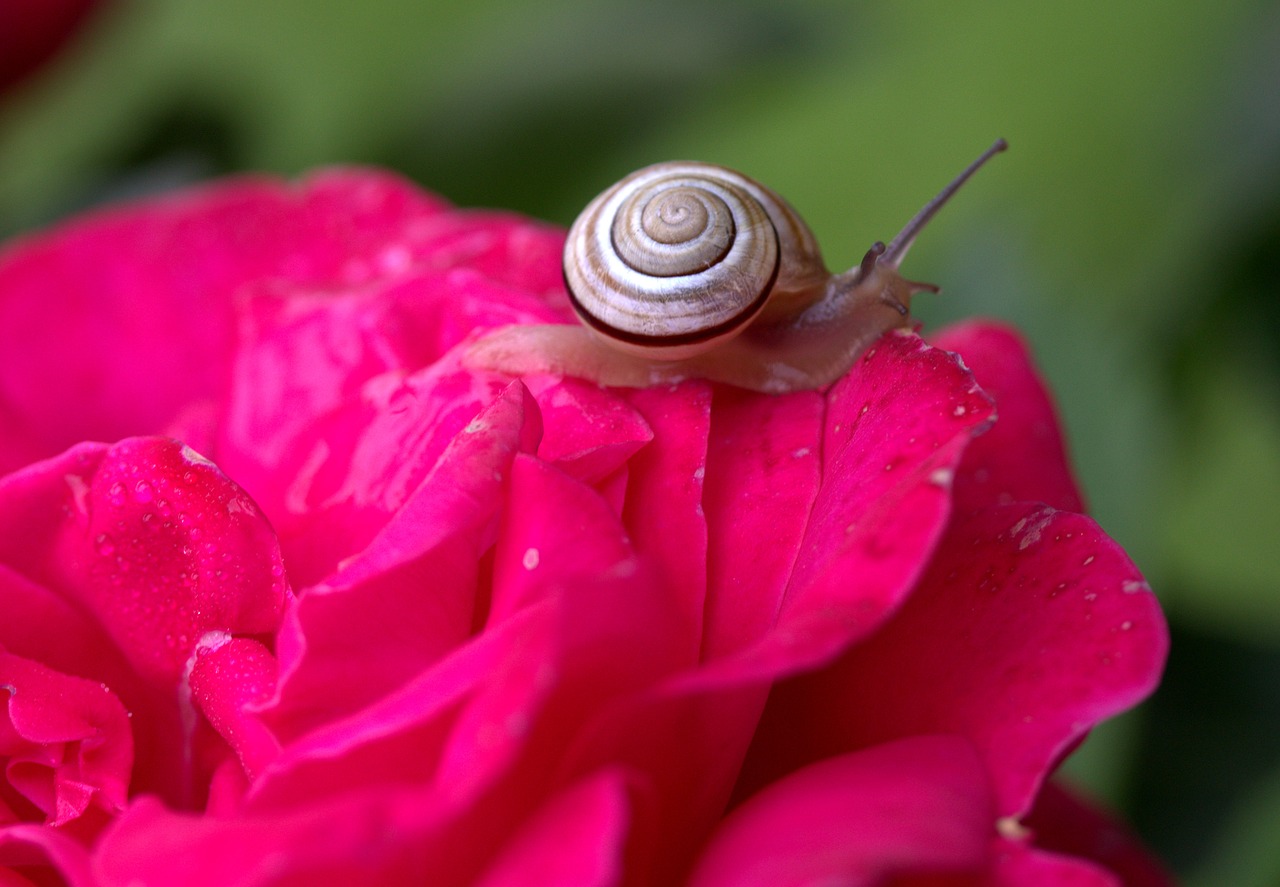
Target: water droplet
1087,561
116,493
142,491
106,545
530,559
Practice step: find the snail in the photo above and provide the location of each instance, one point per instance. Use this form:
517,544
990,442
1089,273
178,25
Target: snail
689,270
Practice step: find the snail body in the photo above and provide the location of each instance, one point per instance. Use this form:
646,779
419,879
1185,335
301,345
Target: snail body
690,270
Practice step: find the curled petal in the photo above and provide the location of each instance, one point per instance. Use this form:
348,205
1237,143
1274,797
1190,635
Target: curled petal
65,742
229,678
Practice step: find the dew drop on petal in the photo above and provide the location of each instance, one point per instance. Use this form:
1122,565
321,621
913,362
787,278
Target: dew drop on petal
530,559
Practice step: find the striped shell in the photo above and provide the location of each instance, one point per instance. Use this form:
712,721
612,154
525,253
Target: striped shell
680,256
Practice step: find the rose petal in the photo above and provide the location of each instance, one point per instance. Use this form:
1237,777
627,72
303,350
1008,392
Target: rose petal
577,840
763,474
588,432
129,301
229,677
372,837
66,741
710,713
373,625
918,806
1063,823
558,540
1020,865
896,428
1022,458
39,624
663,512
1031,627
129,313
583,608
153,540
400,738
336,341
506,248
350,472
46,854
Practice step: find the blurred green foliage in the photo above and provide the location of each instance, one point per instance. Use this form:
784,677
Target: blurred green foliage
1132,233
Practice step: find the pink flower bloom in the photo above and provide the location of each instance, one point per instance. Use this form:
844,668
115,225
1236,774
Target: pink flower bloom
415,623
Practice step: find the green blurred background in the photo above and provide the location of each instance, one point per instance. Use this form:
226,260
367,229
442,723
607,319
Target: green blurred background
1132,233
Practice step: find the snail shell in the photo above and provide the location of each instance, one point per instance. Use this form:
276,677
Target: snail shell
679,257
690,270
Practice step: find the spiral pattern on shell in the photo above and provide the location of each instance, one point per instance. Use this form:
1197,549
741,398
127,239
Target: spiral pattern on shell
676,255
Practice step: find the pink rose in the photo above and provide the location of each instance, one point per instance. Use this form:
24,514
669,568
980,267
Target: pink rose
381,619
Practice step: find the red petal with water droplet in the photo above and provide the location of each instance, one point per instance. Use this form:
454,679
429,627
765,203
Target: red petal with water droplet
1030,627
150,538
229,679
